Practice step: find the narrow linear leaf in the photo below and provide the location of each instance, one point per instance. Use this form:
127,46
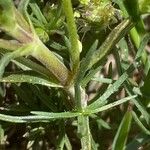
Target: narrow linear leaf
67,143
110,90
2,136
138,103
122,133
22,51
86,61
106,107
116,34
37,12
57,115
20,78
22,7
143,43
90,75
139,123
9,118
61,138
113,88
100,122
102,80
41,117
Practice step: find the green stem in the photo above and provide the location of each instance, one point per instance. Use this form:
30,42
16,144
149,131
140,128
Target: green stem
21,35
84,132
48,59
135,37
74,51
10,45
83,121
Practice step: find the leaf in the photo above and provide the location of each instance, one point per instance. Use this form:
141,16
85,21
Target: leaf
86,61
116,34
122,133
146,87
21,78
57,115
67,143
102,80
34,66
40,117
143,43
22,7
37,12
22,51
9,118
4,61
110,90
89,110
2,136
139,123
90,75
138,103
100,122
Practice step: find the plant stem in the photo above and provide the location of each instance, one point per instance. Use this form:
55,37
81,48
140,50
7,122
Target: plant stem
83,121
84,132
9,44
74,51
48,59
135,37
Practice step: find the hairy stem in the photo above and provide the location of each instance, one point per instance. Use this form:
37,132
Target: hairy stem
74,51
84,132
48,59
9,44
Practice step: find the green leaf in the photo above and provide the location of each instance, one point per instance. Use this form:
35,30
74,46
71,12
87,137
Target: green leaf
31,65
110,90
40,117
146,87
33,79
67,143
22,8
116,34
90,75
57,115
22,51
102,80
139,123
2,136
86,61
143,43
100,122
37,12
122,133
89,110
9,118
138,103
